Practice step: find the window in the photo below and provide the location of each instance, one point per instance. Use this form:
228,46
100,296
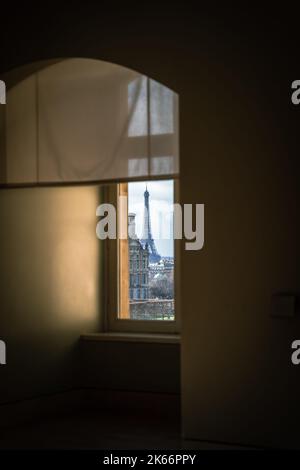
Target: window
145,263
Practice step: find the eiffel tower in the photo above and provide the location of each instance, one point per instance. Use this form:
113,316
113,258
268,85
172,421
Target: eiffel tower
154,256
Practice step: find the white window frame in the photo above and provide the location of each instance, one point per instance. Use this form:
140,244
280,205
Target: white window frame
112,283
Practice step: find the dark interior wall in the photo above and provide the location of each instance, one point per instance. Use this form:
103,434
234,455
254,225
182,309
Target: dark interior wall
131,366
239,156
238,381
49,274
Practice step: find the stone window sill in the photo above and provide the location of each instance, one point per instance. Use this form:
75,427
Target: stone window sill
133,337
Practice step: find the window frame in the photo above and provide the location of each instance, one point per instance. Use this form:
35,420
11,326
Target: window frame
112,279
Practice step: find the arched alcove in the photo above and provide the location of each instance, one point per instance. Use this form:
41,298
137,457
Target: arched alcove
70,122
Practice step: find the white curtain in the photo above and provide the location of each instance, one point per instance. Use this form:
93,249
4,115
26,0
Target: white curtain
82,120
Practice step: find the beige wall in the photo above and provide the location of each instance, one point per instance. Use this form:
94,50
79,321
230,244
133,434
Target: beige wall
49,276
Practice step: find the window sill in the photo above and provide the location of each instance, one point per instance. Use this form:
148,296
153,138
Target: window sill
133,337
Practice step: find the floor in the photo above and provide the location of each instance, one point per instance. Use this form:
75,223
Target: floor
90,430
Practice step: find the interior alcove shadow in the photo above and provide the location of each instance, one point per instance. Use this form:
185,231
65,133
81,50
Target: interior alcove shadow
52,259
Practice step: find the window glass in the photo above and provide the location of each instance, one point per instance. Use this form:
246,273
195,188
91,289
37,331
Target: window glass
151,250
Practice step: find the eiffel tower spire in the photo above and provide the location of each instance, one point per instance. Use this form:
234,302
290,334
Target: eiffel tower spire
154,256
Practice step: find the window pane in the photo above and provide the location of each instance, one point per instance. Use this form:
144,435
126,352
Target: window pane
151,250
161,105
137,106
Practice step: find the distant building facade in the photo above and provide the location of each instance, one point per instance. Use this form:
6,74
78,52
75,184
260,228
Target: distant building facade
138,264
